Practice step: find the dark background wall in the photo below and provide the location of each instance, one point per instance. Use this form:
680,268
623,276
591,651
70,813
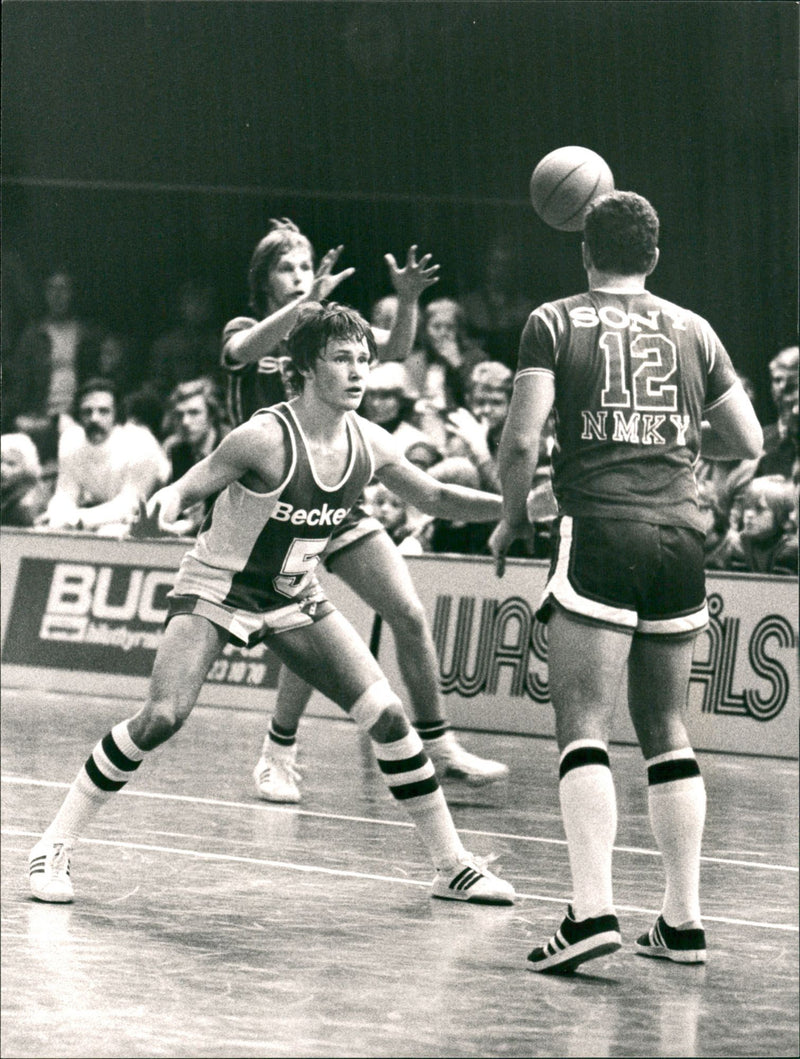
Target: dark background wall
146,141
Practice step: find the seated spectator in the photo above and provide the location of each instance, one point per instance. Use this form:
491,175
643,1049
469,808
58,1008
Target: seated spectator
23,495
475,432
146,409
196,428
55,354
727,479
439,368
400,521
720,537
767,541
781,438
105,468
496,311
783,378
388,401
191,348
384,312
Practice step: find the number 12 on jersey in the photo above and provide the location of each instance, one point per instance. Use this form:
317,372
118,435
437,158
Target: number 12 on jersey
650,391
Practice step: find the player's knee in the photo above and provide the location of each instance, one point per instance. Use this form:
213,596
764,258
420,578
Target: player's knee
379,712
157,723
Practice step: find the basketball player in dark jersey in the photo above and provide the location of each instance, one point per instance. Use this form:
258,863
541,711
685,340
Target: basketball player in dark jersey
282,277
284,480
637,384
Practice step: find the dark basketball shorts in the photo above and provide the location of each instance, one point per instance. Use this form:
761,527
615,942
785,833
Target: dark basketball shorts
354,527
638,576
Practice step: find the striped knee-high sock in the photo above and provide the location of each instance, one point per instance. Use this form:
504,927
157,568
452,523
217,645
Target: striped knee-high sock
589,812
107,769
677,805
410,776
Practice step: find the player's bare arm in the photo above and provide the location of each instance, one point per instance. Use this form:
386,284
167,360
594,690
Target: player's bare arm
421,490
409,282
518,456
731,429
262,340
253,453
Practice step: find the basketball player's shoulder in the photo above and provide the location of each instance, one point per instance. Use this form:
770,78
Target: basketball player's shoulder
678,315
265,428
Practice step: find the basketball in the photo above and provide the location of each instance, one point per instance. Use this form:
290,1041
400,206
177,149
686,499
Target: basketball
565,183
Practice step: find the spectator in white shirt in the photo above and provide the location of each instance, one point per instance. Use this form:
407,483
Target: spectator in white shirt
104,467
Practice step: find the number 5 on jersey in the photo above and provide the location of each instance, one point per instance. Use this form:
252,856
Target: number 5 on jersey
298,565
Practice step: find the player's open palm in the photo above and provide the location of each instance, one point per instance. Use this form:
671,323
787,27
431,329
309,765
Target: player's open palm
414,277
325,280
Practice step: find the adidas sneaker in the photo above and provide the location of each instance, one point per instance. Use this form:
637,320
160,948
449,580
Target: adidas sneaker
574,942
471,881
276,775
671,943
48,871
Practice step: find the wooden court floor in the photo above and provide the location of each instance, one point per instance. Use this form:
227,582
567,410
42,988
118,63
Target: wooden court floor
208,923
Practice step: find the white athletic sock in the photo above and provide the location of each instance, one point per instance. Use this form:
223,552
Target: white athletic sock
677,804
410,776
589,812
108,768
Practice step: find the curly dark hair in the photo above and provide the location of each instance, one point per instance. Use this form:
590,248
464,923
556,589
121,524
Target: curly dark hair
621,233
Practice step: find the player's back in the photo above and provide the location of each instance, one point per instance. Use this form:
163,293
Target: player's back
633,374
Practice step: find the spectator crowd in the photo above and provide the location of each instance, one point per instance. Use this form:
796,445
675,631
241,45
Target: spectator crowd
90,427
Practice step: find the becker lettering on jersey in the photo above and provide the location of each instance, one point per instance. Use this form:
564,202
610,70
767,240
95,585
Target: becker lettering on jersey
614,317
316,516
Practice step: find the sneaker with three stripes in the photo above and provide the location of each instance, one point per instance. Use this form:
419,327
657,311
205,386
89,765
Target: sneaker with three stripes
48,871
574,942
470,880
681,945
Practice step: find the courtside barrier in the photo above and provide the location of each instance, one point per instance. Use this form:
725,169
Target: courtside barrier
83,614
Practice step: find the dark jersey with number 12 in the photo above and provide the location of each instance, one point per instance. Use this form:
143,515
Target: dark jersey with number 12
634,375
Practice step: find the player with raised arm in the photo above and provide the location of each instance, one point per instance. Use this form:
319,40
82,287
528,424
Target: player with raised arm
632,378
284,479
282,278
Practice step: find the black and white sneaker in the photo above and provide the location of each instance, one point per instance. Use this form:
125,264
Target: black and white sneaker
671,943
470,880
574,942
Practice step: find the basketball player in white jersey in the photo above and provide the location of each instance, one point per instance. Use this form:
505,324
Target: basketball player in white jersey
282,278
284,480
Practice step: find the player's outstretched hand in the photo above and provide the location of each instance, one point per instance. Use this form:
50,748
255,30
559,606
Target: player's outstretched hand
325,282
415,276
147,523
